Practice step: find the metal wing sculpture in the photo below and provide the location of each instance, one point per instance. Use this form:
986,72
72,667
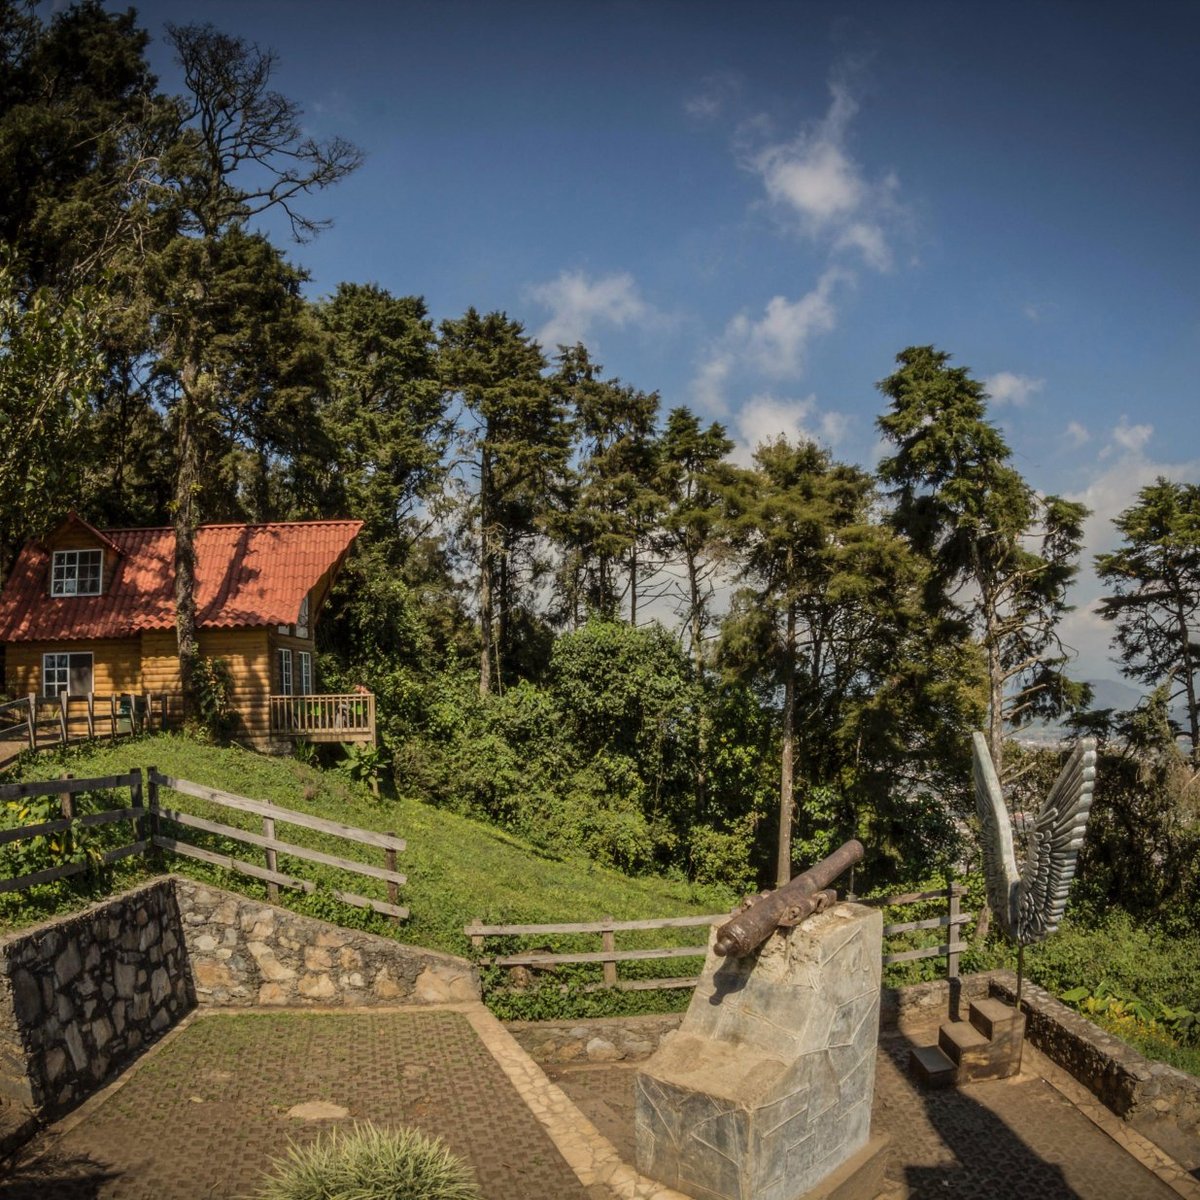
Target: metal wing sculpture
1030,905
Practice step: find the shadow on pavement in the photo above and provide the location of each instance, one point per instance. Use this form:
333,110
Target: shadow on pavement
57,1177
990,1158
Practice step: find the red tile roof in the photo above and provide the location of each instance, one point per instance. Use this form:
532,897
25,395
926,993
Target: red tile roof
247,575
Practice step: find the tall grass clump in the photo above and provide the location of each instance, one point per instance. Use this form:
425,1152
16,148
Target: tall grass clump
367,1163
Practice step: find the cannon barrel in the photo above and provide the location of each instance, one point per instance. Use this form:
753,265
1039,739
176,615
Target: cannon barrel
747,930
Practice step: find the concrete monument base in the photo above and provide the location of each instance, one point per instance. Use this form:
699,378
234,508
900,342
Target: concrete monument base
765,1089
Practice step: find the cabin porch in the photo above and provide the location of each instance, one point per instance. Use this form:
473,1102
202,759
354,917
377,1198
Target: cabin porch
348,718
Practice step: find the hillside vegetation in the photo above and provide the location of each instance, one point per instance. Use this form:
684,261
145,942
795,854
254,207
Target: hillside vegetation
458,868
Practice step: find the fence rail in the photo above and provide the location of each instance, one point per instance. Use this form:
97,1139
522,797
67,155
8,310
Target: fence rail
149,816
609,956
272,846
67,789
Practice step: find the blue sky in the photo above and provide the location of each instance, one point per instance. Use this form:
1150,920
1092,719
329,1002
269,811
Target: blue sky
752,208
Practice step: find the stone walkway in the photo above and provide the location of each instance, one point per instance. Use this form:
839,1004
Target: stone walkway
201,1115
1008,1138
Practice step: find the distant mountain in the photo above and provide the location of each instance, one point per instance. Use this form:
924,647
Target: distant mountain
1111,693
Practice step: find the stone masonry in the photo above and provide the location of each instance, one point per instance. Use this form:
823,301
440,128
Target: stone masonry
81,996
766,1087
245,952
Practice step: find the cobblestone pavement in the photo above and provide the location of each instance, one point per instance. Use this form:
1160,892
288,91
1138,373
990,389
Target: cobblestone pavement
201,1117
1008,1138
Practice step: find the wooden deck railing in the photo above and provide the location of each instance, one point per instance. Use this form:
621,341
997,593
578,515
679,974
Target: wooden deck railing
325,718
609,956
272,846
41,721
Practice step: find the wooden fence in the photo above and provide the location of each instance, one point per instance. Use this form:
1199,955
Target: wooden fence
150,815
272,846
67,789
609,956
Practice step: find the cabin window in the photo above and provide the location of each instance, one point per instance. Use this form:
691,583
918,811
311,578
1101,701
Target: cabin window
302,619
66,673
306,675
285,672
76,572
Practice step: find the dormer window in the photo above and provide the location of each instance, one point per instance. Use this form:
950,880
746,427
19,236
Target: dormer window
76,572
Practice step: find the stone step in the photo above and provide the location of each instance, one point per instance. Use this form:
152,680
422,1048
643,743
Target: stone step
962,1042
931,1066
992,1017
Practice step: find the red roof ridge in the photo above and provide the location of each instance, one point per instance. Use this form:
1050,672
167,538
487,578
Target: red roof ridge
228,525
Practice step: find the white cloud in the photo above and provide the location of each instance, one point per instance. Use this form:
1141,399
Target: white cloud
708,388
716,91
775,344
816,180
765,417
578,304
1132,437
1008,388
1077,434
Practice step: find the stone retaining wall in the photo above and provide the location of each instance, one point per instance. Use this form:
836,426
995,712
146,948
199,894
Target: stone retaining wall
245,952
1124,1080
82,995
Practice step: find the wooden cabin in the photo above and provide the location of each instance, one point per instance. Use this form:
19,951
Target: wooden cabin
91,613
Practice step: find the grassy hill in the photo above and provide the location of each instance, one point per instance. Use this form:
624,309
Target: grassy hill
458,869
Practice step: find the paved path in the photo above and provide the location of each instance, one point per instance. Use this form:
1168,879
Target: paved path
1019,1137
202,1114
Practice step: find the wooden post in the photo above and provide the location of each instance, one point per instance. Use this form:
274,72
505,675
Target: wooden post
272,857
62,715
476,938
66,803
32,720
155,821
135,801
389,858
146,712
162,720
609,939
91,716
952,940
112,714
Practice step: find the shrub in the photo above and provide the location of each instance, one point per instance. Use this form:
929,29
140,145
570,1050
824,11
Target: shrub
367,1163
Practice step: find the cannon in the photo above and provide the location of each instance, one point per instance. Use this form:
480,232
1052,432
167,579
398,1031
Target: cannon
748,928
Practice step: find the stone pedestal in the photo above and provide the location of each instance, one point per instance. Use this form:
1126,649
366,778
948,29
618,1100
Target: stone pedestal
766,1087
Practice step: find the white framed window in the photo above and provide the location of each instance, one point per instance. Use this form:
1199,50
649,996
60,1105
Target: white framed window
302,619
76,572
285,671
306,672
66,673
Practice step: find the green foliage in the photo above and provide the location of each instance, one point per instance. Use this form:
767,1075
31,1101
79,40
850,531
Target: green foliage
1155,605
368,1163
214,697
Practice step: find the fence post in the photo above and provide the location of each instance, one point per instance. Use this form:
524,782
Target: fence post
389,857
135,801
33,720
66,803
155,821
272,857
112,714
476,938
952,939
62,715
91,718
609,941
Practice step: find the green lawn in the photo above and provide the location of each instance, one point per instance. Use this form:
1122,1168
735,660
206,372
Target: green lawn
457,868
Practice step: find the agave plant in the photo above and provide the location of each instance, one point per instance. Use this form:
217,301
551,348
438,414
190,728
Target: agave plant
368,1163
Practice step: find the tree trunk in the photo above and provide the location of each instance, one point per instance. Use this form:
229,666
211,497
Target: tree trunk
783,865
485,578
186,521
633,581
697,615
1189,683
